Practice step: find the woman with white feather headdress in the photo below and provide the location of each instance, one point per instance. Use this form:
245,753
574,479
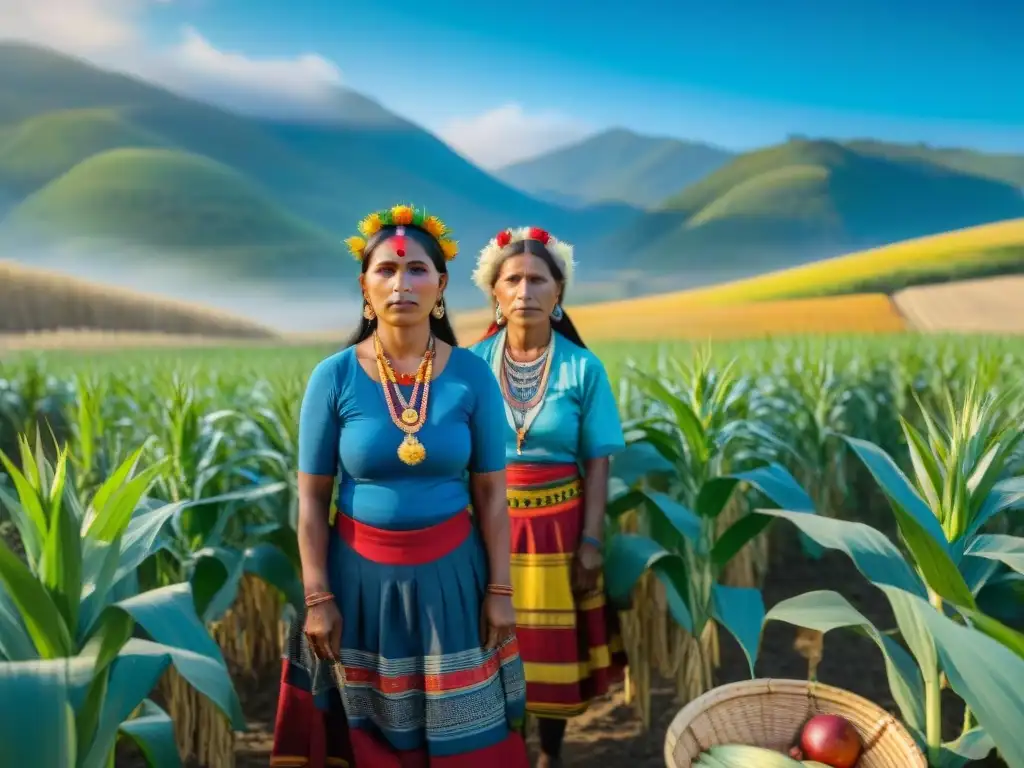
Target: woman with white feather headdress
563,426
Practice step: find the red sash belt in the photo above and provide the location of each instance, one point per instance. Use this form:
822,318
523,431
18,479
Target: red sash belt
415,547
524,474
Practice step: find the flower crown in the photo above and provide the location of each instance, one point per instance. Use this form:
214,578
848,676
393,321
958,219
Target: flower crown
489,261
403,216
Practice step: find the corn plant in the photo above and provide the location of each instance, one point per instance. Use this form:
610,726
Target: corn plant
690,443
961,482
81,645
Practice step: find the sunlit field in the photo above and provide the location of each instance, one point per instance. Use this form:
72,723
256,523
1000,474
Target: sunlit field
209,434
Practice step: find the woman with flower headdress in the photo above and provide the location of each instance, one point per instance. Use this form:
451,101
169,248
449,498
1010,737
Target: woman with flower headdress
561,426
409,623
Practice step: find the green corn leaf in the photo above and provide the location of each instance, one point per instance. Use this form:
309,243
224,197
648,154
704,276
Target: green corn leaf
686,420
113,483
677,516
629,557
100,562
131,677
216,575
153,733
638,460
995,629
168,616
971,746
740,610
927,469
15,642
825,611
37,717
772,481
920,528
273,566
874,555
113,517
40,615
1005,495
622,502
27,511
987,675
1008,550
60,567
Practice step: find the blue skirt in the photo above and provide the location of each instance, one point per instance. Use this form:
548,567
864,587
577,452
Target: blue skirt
414,675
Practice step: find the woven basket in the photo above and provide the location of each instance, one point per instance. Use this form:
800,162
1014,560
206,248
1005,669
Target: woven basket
770,713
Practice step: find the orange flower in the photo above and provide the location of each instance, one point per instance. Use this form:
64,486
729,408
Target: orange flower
435,226
401,215
356,245
450,248
370,225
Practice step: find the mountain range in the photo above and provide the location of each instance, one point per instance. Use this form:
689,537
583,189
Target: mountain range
108,173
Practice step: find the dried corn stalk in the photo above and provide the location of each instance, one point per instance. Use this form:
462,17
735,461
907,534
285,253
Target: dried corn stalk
249,633
201,731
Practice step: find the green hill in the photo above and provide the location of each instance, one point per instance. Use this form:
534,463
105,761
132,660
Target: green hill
616,166
174,203
329,173
802,201
39,149
1002,167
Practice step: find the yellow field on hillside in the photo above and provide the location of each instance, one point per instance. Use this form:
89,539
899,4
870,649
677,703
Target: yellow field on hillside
983,246
853,313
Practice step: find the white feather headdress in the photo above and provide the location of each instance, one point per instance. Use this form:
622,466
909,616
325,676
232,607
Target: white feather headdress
489,261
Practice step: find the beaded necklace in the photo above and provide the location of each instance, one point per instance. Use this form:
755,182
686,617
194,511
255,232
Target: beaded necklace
523,386
409,420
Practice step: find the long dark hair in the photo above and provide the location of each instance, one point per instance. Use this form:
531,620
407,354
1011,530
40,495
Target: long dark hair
442,329
564,324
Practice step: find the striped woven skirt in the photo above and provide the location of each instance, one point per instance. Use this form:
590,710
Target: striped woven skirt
417,687
570,644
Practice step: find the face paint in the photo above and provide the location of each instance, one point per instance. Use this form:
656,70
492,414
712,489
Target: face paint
399,242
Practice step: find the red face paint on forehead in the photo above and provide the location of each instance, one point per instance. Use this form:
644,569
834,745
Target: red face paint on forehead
398,242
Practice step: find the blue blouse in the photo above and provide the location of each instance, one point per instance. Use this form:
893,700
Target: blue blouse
579,419
344,426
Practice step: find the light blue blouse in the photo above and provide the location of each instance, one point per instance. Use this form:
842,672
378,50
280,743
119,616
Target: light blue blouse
344,426
579,419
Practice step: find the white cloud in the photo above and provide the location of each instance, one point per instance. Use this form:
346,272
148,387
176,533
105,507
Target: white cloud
75,26
508,134
107,32
303,83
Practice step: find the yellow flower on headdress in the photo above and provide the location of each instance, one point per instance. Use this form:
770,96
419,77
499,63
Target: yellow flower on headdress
356,245
435,226
401,215
371,225
450,248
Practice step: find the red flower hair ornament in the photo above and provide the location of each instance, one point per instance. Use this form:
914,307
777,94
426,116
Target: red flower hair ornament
492,255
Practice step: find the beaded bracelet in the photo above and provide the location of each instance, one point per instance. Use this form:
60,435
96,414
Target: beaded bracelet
592,541
500,589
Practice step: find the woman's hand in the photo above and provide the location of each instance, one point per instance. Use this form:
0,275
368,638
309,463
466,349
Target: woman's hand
323,630
586,569
497,620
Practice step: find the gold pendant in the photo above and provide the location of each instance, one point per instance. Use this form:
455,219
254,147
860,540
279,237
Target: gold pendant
520,437
409,416
411,451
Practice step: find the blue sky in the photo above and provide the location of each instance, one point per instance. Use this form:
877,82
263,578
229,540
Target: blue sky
739,74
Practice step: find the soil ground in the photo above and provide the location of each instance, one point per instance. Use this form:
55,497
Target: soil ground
609,735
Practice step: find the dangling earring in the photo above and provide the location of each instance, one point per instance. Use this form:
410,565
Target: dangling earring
499,318
368,312
438,310
557,313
